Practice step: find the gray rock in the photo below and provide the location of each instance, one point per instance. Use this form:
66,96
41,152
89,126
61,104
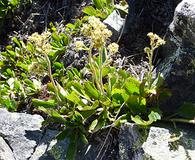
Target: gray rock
157,143
129,137
115,23
49,148
5,151
21,131
25,139
178,68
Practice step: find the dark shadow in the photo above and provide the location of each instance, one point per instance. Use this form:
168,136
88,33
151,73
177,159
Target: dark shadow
44,139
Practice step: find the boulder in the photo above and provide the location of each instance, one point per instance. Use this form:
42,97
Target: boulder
146,16
49,148
21,131
22,138
116,24
156,143
178,67
5,151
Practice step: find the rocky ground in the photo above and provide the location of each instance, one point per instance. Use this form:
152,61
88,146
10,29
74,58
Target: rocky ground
22,138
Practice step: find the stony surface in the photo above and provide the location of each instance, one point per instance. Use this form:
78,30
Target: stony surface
115,23
21,131
5,151
22,138
178,68
156,143
146,16
49,148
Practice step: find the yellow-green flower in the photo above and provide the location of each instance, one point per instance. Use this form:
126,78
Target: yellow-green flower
41,41
96,31
80,45
113,48
155,40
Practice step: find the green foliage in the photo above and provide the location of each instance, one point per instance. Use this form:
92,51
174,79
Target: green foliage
187,110
23,67
15,81
83,106
6,6
100,8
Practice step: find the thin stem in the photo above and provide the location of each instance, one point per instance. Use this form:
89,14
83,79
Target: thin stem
100,69
150,57
51,77
180,120
94,75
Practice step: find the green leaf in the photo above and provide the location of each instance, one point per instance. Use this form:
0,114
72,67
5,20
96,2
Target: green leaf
76,72
70,25
72,147
70,75
14,2
105,101
108,70
77,116
187,110
10,104
55,37
154,116
93,125
121,92
97,3
83,138
136,104
63,134
62,92
73,97
12,53
17,42
65,39
120,120
89,10
22,65
100,124
102,14
87,113
10,72
132,85
57,117
58,65
138,120
91,91
124,74
159,81
77,86
46,104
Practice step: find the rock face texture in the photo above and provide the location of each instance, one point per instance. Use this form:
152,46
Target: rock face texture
21,138
5,150
156,143
147,16
115,23
178,68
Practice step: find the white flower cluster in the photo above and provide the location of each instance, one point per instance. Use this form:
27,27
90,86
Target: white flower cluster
96,31
41,41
